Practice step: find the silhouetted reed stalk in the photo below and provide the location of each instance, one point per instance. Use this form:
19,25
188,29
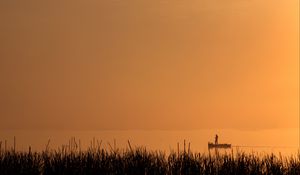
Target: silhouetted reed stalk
5,146
14,150
184,146
178,148
115,144
99,144
47,146
79,145
70,159
111,148
130,146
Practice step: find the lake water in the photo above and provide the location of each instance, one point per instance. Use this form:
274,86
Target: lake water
262,141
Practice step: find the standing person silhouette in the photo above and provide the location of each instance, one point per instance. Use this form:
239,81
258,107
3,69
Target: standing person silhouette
216,139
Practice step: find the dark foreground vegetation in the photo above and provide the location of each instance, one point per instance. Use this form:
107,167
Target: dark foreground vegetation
140,161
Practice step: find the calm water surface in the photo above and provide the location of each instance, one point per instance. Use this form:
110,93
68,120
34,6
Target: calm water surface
261,141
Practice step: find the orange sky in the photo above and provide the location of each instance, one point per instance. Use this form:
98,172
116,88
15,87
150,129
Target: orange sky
149,64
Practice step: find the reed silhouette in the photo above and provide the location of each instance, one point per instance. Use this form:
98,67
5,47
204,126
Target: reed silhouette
70,159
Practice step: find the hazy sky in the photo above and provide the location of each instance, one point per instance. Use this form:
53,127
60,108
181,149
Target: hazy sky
149,64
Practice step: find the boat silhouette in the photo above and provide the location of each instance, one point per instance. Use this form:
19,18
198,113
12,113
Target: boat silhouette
218,145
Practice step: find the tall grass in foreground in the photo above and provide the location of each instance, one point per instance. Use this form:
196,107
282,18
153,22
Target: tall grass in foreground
141,161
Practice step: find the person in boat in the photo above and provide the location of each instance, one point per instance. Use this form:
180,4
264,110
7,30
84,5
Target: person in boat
216,139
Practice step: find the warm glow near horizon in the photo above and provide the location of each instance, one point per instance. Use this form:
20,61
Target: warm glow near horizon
167,65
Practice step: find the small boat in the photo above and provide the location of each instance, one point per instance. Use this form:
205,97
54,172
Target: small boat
218,145
223,145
